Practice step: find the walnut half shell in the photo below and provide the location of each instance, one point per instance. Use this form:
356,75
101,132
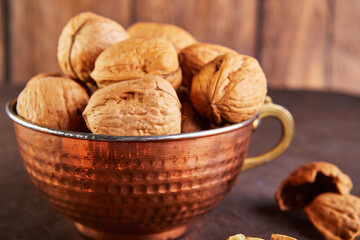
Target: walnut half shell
141,107
336,216
136,58
308,181
229,89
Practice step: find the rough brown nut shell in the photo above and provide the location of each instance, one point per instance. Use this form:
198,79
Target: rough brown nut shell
242,237
194,57
174,34
54,102
191,121
281,237
83,38
147,106
308,181
229,89
135,58
336,216
43,75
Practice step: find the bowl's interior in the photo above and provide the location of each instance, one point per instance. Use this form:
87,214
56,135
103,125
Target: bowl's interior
11,112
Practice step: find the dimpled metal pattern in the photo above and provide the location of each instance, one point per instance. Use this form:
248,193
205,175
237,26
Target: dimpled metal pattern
133,188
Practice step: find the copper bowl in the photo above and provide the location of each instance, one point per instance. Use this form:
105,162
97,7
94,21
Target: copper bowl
149,187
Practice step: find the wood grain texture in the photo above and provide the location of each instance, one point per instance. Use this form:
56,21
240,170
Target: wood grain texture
294,43
36,26
2,52
231,23
345,58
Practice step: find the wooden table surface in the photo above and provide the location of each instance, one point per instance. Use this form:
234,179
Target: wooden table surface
327,129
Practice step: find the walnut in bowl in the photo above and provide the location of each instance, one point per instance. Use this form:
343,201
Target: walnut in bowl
54,102
174,34
229,89
194,57
135,58
83,38
140,107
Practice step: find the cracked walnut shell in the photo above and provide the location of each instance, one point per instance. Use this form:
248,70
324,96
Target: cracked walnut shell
83,38
336,216
174,34
229,89
140,107
54,102
308,181
135,58
194,57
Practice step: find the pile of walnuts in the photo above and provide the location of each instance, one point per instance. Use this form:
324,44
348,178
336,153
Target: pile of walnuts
153,79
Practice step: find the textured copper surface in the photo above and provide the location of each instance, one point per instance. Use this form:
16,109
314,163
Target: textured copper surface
133,187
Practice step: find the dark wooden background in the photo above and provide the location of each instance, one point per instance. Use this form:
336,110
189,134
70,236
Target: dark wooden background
307,44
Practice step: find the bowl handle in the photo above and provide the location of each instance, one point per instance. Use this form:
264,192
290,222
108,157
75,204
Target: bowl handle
269,109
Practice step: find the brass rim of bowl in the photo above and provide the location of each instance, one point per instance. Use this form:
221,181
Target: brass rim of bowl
11,112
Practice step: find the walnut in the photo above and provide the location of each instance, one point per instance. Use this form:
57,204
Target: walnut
83,38
174,34
136,58
147,106
308,181
54,102
43,75
281,237
242,237
194,57
336,216
229,89
191,121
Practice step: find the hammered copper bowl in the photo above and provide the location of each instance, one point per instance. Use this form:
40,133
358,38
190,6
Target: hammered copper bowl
134,187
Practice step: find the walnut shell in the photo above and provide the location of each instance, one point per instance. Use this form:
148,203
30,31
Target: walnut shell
147,106
174,34
229,89
336,216
43,75
281,237
191,121
308,181
83,38
194,57
242,237
135,58
54,102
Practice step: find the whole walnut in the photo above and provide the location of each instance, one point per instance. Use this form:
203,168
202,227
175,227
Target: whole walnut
336,216
229,89
83,38
194,57
54,102
140,107
174,34
43,75
135,58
